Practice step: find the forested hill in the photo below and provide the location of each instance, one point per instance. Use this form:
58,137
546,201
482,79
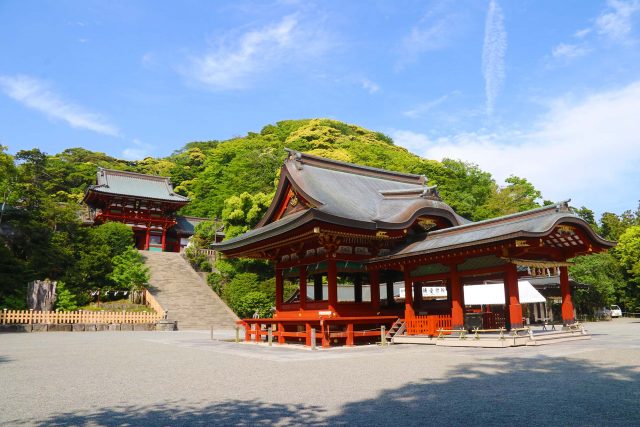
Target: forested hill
210,172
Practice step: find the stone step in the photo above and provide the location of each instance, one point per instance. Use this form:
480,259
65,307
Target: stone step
184,293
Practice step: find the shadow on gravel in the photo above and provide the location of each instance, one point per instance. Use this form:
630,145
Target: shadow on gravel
549,391
4,359
233,412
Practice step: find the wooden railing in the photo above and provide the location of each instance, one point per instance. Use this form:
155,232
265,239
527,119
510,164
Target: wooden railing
207,252
153,303
427,325
30,317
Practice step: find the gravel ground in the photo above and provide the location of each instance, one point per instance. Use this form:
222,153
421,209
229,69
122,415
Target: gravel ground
185,378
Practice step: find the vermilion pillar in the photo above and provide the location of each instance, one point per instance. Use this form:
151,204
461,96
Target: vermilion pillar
164,238
279,284
147,238
565,291
408,295
457,307
374,280
511,288
332,281
303,287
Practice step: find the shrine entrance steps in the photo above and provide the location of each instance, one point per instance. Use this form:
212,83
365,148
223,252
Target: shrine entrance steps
184,294
497,340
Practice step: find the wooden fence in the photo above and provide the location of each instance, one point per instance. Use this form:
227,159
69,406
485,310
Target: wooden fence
29,317
427,325
153,304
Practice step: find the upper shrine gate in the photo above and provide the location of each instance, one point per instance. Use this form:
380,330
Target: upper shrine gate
147,203
346,233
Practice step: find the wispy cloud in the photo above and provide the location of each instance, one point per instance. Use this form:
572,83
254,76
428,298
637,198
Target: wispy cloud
231,65
436,30
139,150
370,86
37,95
569,51
493,54
615,22
425,107
586,149
580,34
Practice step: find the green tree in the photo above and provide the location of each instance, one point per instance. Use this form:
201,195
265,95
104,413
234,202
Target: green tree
602,273
589,216
205,233
241,213
65,300
628,252
518,196
129,271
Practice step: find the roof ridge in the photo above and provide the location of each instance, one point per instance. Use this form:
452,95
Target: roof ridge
119,171
559,206
304,158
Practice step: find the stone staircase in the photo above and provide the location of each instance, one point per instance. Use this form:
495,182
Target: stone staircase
184,294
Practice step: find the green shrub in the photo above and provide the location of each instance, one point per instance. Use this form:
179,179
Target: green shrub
65,300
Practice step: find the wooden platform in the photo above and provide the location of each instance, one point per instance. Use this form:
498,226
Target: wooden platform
494,340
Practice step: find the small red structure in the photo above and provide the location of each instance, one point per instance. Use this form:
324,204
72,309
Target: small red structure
346,233
147,203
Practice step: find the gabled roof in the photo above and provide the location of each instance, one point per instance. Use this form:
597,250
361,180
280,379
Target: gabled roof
534,223
346,194
376,198
133,184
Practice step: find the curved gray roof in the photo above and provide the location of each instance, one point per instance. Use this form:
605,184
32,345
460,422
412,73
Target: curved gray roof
533,223
382,198
133,184
347,194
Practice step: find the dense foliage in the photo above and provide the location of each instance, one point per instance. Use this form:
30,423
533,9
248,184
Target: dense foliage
41,235
234,180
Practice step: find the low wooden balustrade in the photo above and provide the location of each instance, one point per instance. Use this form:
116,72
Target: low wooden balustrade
427,325
28,317
153,303
328,330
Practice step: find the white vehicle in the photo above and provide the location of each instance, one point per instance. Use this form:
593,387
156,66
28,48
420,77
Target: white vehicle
616,311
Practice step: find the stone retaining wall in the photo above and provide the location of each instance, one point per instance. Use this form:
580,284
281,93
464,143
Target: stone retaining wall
89,327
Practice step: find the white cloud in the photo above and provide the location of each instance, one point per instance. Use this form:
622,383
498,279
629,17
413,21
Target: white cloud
415,142
425,107
138,151
615,23
369,86
36,95
231,65
580,34
588,150
493,53
569,51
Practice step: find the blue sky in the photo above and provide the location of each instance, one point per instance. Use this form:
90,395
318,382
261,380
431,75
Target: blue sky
548,90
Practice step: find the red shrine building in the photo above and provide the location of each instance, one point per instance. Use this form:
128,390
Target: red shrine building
344,234
146,203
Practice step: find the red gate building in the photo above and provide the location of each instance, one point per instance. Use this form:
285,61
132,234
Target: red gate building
146,203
